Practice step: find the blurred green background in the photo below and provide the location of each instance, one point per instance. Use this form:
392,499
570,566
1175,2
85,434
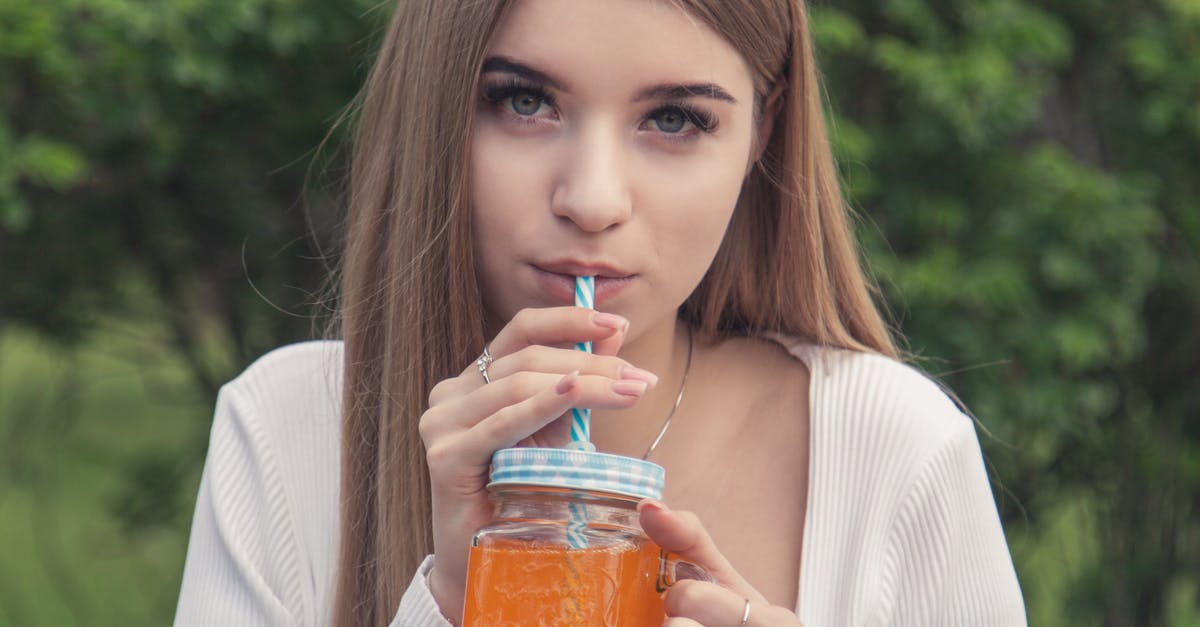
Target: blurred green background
1025,173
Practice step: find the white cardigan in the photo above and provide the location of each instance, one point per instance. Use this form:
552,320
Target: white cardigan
901,527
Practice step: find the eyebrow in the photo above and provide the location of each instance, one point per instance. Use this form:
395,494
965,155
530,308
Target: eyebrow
691,90
505,64
664,91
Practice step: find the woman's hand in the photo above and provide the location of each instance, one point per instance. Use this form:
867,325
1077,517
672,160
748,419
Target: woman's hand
536,377
690,602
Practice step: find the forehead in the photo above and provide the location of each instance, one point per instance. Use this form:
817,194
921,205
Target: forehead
615,41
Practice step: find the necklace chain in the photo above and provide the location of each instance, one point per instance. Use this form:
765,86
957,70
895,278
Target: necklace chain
687,368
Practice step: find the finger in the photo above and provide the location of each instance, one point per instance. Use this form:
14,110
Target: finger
683,534
681,622
556,326
706,603
560,361
511,394
514,423
511,423
545,360
474,447
611,344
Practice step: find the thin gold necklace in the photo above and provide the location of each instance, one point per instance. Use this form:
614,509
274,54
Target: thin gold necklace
687,368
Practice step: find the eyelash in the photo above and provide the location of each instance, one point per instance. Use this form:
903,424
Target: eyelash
499,92
704,121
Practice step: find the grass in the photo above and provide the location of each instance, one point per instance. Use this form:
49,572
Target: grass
101,451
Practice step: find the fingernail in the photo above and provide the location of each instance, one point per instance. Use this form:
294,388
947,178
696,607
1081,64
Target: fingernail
653,504
565,384
610,321
637,374
626,387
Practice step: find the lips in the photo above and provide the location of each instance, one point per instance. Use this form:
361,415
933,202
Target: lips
580,268
558,279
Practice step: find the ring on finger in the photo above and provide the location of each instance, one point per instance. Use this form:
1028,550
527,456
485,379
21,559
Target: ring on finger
482,364
745,614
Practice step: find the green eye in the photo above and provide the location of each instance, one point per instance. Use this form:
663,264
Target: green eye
670,121
526,103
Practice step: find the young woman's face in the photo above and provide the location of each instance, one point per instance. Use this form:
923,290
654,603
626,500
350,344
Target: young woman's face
611,138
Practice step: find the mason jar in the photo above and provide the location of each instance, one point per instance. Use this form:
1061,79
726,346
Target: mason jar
564,546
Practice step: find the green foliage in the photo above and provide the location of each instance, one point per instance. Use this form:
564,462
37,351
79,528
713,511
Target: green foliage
168,142
1025,172
152,157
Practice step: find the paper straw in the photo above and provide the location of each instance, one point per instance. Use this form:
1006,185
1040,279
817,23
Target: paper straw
581,418
576,525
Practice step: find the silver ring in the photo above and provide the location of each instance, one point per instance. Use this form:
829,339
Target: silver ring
482,364
745,615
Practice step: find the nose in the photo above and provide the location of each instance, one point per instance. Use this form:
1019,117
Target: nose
592,190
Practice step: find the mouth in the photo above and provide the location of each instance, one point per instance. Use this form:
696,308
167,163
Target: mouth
558,280
573,268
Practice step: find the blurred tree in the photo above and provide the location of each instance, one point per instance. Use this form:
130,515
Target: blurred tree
1031,169
169,142
1025,171
152,161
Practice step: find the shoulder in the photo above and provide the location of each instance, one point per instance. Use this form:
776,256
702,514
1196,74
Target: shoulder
292,366
886,387
293,382
877,405
855,382
899,496
287,405
268,508
277,434
287,402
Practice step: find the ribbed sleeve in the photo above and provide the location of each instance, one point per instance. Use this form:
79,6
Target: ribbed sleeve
417,606
264,531
241,563
947,560
901,527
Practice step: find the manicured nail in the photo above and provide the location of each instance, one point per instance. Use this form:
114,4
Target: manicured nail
637,374
626,387
566,383
610,321
651,504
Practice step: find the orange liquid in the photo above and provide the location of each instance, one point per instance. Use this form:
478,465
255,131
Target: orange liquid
520,583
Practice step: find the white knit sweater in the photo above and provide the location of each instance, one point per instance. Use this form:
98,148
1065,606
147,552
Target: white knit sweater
901,527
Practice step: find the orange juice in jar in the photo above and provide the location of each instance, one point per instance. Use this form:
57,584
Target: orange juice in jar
564,547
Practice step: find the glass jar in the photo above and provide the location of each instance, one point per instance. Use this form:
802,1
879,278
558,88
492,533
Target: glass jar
564,546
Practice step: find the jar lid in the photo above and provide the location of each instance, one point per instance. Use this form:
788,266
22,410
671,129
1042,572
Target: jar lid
578,470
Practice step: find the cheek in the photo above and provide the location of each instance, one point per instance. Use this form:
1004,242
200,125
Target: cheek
699,207
493,264
688,235
506,192
702,189
504,178
508,200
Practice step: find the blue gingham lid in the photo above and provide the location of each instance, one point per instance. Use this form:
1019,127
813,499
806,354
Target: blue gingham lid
579,470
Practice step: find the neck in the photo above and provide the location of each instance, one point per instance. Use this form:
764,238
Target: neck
663,351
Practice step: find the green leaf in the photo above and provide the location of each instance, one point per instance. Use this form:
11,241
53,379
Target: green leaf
834,30
56,164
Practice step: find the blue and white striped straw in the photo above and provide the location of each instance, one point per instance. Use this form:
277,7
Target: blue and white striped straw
581,418
576,525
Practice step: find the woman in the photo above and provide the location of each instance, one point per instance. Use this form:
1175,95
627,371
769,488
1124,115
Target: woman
676,150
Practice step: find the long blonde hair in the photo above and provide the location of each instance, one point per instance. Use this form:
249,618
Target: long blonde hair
411,310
